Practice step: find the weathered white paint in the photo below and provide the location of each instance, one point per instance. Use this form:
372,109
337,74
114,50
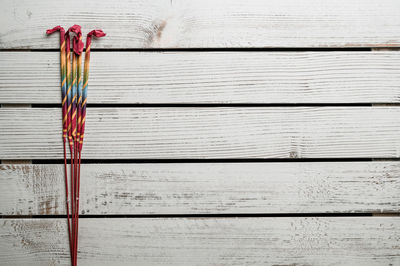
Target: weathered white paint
225,132
206,23
212,188
210,77
205,241
234,132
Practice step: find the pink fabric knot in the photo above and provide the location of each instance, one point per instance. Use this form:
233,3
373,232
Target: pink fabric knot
96,33
57,28
77,44
75,29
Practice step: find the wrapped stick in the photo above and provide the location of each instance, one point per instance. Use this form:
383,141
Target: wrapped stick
79,45
73,133
78,49
64,114
69,86
76,115
72,139
69,131
98,34
82,98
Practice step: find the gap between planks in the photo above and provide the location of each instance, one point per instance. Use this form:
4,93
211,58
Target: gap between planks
216,216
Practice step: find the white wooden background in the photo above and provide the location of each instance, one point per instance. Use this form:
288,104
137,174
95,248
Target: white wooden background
235,133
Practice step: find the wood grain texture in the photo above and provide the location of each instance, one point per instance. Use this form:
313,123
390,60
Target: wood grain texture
206,23
210,241
210,77
225,132
205,188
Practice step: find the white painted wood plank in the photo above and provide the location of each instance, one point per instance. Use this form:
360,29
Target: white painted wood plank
206,23
225,132
207,241
210,77
205,188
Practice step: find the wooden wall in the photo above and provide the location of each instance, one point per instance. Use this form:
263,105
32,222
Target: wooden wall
218,133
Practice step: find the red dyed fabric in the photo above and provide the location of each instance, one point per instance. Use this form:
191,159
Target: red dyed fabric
57,28
95,33
77,44
68,43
